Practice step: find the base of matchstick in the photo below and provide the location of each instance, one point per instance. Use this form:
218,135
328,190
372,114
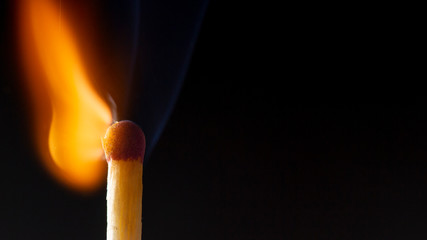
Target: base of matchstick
124,200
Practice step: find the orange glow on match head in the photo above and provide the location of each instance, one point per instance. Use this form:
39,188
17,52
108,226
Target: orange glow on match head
124,141
71,118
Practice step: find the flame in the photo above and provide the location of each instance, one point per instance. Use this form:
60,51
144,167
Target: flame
63,97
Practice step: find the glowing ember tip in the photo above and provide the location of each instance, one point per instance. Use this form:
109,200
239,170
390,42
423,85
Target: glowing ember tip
124,141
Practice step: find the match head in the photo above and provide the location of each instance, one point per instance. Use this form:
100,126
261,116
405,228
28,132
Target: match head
124,141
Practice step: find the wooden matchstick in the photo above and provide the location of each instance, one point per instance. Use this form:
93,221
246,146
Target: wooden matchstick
124,146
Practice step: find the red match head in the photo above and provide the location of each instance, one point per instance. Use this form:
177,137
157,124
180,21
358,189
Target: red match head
124,141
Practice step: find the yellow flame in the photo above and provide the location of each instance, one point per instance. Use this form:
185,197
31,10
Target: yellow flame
63,97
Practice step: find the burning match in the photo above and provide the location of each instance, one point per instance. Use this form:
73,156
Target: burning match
124,146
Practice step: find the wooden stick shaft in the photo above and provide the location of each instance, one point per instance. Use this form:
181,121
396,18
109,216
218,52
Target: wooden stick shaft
124,200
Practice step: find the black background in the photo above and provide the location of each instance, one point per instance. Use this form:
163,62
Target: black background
292,123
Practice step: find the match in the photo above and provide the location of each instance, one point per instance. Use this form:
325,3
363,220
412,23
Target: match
124,146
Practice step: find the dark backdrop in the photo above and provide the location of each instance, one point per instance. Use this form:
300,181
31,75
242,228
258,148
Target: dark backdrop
291,124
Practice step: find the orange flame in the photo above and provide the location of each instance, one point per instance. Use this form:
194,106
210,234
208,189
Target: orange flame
63,97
